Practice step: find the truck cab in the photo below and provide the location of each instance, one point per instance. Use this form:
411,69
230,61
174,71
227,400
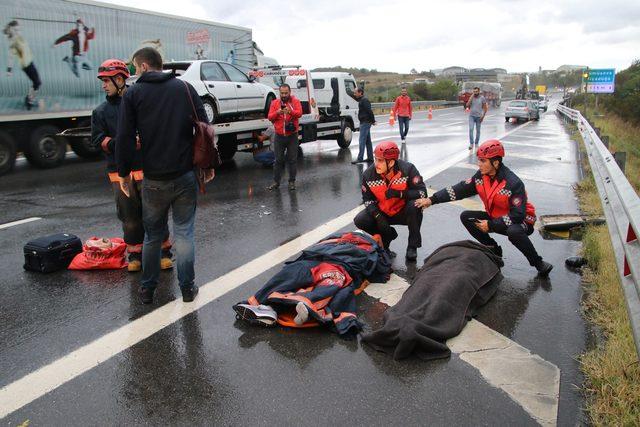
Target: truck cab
337,107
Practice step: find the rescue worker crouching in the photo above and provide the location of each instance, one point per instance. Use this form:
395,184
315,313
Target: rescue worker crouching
507,210
390,188
104,122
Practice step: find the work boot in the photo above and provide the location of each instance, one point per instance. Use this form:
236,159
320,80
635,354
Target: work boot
391,253
145,295
189,294
166,263
273,186
292,186
543,268
412,253
135,263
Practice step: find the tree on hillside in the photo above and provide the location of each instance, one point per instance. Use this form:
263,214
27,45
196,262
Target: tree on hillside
413,71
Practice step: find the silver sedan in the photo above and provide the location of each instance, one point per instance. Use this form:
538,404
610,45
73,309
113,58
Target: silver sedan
524,109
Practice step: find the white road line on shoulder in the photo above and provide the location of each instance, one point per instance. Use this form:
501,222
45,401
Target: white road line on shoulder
453,124
530,381
32,386
22,221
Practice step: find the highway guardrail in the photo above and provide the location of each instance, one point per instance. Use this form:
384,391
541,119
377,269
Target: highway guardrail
621,206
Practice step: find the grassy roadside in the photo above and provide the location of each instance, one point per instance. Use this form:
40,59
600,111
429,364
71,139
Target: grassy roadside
623,136
612,372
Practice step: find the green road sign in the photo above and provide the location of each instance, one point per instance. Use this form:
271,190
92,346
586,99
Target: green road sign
601,80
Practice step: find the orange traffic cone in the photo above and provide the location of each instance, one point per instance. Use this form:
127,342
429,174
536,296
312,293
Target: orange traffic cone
392,119
430,115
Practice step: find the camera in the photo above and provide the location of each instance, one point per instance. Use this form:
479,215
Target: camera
289,127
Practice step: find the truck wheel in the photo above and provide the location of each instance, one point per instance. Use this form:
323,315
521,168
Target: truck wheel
227,147
45,150
210,109
346,134
7,153
267,104
83,148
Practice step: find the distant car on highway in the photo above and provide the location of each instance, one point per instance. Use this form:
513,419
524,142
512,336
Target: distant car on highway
224,88
543,103
525,109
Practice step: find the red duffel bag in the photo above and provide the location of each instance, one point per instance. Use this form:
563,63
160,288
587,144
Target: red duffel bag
101,254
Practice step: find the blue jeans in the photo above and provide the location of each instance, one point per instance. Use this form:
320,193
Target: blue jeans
158,197
365,140
474,121
403,124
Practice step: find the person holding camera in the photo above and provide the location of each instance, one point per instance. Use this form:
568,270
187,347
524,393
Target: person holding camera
284,113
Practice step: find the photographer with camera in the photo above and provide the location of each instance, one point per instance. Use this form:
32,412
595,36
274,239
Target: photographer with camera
284,113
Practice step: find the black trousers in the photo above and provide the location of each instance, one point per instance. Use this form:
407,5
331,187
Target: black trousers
518,234
409,216
288,144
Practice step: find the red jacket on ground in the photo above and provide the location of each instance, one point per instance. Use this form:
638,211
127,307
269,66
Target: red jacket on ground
402,107
279,120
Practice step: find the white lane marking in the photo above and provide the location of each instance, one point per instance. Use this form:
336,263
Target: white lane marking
49,377
530,381
453,124
22,221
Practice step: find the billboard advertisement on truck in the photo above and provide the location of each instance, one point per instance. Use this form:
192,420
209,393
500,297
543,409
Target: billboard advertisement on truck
52,51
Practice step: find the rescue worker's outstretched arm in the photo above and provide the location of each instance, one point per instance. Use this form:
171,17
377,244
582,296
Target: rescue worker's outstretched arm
460,191
517,207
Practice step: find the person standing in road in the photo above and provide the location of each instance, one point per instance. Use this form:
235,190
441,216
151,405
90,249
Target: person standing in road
367,119
104,124
478,107
390,188
508,210
159,107
403,113
285,114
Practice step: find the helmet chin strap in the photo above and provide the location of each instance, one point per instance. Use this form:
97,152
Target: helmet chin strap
120,89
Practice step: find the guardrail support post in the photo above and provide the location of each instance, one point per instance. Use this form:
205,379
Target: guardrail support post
605,140
621,159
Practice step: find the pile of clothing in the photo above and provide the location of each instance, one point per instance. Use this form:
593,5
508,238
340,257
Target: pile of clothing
319,288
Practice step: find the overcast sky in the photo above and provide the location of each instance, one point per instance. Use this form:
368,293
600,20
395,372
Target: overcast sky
426,34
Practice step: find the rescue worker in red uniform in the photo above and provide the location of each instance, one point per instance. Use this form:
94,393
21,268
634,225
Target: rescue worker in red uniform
507,210
104,122
390,189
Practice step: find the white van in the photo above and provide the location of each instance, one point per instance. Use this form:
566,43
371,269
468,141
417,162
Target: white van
333,97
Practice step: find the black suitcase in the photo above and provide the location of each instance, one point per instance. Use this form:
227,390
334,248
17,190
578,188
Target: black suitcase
51,253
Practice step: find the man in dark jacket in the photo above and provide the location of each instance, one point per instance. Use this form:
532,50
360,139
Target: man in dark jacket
160,108
104,124
508,210
367,119
390,188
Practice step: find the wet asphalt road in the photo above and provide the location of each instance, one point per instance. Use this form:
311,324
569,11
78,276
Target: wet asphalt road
207,368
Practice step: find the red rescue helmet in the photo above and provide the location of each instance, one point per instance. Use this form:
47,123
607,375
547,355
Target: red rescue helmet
490,149
112,68
387,150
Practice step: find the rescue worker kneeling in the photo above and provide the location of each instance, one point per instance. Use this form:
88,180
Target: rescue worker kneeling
390,188
104,126
508,211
